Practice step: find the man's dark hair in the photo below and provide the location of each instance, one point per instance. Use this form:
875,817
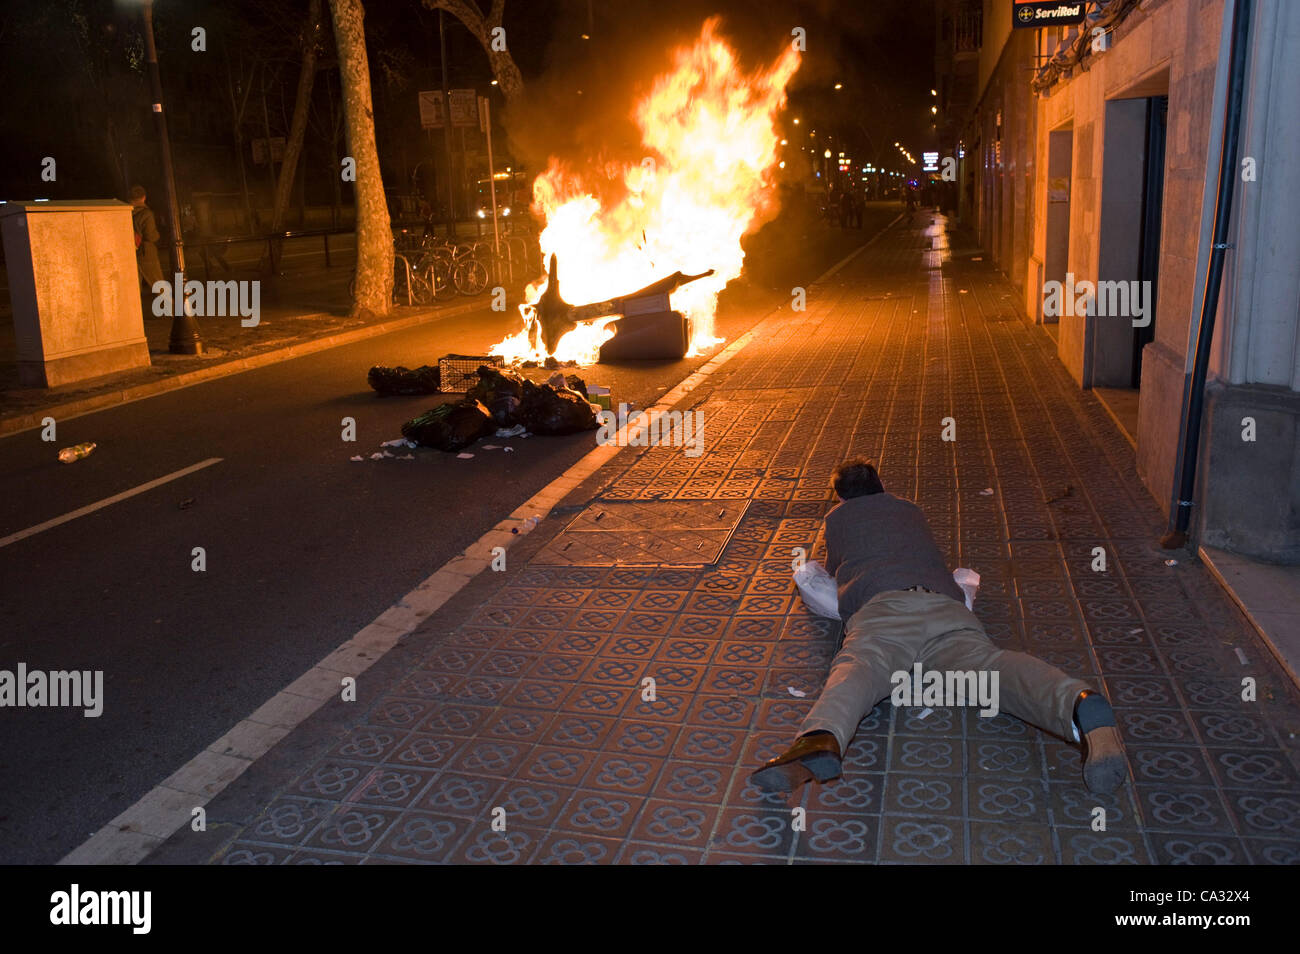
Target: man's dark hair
137,192
856,477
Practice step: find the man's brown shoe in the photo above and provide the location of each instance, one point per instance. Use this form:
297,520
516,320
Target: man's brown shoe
816,755
1104,766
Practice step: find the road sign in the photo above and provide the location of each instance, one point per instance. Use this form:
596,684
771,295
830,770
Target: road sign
1036,14
431,111
464,107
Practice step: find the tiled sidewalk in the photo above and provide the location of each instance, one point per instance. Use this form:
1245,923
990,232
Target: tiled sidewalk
533,705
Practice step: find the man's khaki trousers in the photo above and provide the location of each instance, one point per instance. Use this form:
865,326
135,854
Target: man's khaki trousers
899,628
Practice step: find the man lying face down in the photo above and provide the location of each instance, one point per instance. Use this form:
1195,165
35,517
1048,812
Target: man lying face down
903,609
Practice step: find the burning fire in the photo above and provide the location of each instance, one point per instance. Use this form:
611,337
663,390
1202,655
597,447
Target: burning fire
707,182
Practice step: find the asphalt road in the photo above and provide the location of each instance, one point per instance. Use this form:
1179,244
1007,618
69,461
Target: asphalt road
303,546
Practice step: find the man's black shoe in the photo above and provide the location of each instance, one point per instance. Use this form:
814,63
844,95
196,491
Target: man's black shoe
1104,765
816,755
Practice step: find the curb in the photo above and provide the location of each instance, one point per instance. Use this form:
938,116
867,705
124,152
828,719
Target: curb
135,833
24,422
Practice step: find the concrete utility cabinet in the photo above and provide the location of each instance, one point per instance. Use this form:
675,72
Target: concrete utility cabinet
74,286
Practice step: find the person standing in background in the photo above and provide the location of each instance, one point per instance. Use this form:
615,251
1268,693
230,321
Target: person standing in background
146,246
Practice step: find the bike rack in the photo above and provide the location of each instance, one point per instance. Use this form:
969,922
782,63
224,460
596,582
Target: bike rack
407,265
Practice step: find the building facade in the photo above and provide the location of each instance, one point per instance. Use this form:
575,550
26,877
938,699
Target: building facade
1090,173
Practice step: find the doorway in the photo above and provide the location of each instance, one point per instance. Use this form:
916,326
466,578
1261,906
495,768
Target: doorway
1056,256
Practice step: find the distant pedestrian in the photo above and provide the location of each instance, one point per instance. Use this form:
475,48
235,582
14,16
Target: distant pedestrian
146,245
194,234
846,210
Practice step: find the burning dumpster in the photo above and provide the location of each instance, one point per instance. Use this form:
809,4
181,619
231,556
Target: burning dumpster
643,322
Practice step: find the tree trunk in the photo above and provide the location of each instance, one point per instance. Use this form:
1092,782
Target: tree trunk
301,104
374,292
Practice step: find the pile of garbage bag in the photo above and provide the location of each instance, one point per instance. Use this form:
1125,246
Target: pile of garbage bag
504,399
450,427
423,380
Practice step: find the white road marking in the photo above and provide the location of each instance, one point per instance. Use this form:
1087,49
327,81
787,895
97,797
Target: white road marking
107,501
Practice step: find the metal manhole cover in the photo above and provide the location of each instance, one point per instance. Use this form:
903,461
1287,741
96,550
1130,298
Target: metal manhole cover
645,533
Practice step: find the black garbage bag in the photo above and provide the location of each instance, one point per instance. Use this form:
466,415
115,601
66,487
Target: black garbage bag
450,427
400,380
554,411
576,383
501,392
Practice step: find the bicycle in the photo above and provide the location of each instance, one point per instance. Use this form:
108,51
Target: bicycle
411,286
459,267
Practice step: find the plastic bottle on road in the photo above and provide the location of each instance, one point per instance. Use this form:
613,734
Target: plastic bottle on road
76,452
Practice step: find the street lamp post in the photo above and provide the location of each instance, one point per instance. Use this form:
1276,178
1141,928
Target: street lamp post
185,337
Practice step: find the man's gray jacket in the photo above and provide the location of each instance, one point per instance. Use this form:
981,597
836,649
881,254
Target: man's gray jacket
879,542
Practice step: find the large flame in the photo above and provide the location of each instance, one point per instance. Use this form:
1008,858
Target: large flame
710,131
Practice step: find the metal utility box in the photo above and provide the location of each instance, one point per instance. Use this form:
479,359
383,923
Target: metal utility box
75,290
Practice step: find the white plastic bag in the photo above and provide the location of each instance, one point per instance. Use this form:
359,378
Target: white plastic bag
821,595
817,587
969,581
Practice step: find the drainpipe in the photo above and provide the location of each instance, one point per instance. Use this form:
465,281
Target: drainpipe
1237,19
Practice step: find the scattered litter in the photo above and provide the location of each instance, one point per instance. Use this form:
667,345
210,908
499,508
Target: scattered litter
977,258
924,712
490,446
517,431
1241,655
389,454
508,450
186,503
530,522
464,456
986,492
1171,563
1134,632
400,442
407,457
77,451
376,456
1067,492
358,457
797,693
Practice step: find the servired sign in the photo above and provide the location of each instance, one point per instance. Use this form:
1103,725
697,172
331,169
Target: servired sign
1036,14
